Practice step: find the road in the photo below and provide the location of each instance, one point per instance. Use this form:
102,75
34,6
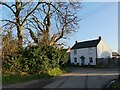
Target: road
84,78
77,78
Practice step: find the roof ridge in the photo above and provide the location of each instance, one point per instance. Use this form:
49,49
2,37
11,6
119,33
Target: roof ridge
88,41
86,44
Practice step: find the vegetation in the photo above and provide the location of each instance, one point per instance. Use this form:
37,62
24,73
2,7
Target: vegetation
22,78
116,85
34,60
36,48
45,22
11,79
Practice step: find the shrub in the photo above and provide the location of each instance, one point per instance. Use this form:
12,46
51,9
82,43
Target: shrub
12,65
35,59
55,72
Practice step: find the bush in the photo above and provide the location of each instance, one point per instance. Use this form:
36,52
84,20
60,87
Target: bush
11,64
55,72
35,60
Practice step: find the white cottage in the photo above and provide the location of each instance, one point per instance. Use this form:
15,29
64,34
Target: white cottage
86,53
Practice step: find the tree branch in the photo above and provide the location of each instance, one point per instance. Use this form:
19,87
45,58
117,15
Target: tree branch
33,25
7,6
37,22
10,21
61,35
31,12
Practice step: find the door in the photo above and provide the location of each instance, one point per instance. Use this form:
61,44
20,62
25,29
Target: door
82,60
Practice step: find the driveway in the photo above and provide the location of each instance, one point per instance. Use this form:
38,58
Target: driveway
84,78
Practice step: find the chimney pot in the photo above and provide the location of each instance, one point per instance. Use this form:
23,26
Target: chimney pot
76,42
100,37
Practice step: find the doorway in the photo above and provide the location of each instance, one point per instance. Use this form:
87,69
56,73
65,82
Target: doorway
82,60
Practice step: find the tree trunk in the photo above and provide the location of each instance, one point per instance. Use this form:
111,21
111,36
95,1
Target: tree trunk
46,38
19,27
20,36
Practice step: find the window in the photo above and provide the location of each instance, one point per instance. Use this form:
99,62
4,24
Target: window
90,59
75,51
75,59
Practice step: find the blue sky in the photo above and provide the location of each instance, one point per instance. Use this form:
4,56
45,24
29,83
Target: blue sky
98,19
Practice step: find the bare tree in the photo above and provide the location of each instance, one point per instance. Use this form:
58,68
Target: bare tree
53,21
20,13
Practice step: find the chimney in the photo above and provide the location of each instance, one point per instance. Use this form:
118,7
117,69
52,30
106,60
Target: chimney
75,42
99,37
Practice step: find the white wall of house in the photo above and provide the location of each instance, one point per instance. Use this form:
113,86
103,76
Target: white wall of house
87,53
103,51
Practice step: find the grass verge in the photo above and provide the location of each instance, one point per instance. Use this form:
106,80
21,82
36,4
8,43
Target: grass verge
116,85
12,79
56,71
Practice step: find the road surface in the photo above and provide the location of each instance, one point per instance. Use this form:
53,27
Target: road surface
77,78
85,78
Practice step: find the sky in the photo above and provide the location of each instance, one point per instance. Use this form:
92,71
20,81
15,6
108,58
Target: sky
97,19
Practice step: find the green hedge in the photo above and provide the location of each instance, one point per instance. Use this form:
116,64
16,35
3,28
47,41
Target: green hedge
34,60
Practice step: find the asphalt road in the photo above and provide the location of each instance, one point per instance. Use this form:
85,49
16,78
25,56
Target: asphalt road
85,78
77,78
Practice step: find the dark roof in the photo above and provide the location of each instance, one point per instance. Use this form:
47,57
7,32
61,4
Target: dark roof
115,54
86,44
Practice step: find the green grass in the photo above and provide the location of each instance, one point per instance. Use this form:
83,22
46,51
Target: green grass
11,79
56,71
116,85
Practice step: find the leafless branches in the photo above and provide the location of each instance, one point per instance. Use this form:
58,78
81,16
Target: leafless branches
55,14
52,20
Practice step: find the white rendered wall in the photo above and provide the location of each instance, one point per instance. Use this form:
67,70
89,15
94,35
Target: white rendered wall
103,51
86,52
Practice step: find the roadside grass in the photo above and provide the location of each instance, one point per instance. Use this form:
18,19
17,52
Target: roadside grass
116,85
0,79
12,79
56,71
